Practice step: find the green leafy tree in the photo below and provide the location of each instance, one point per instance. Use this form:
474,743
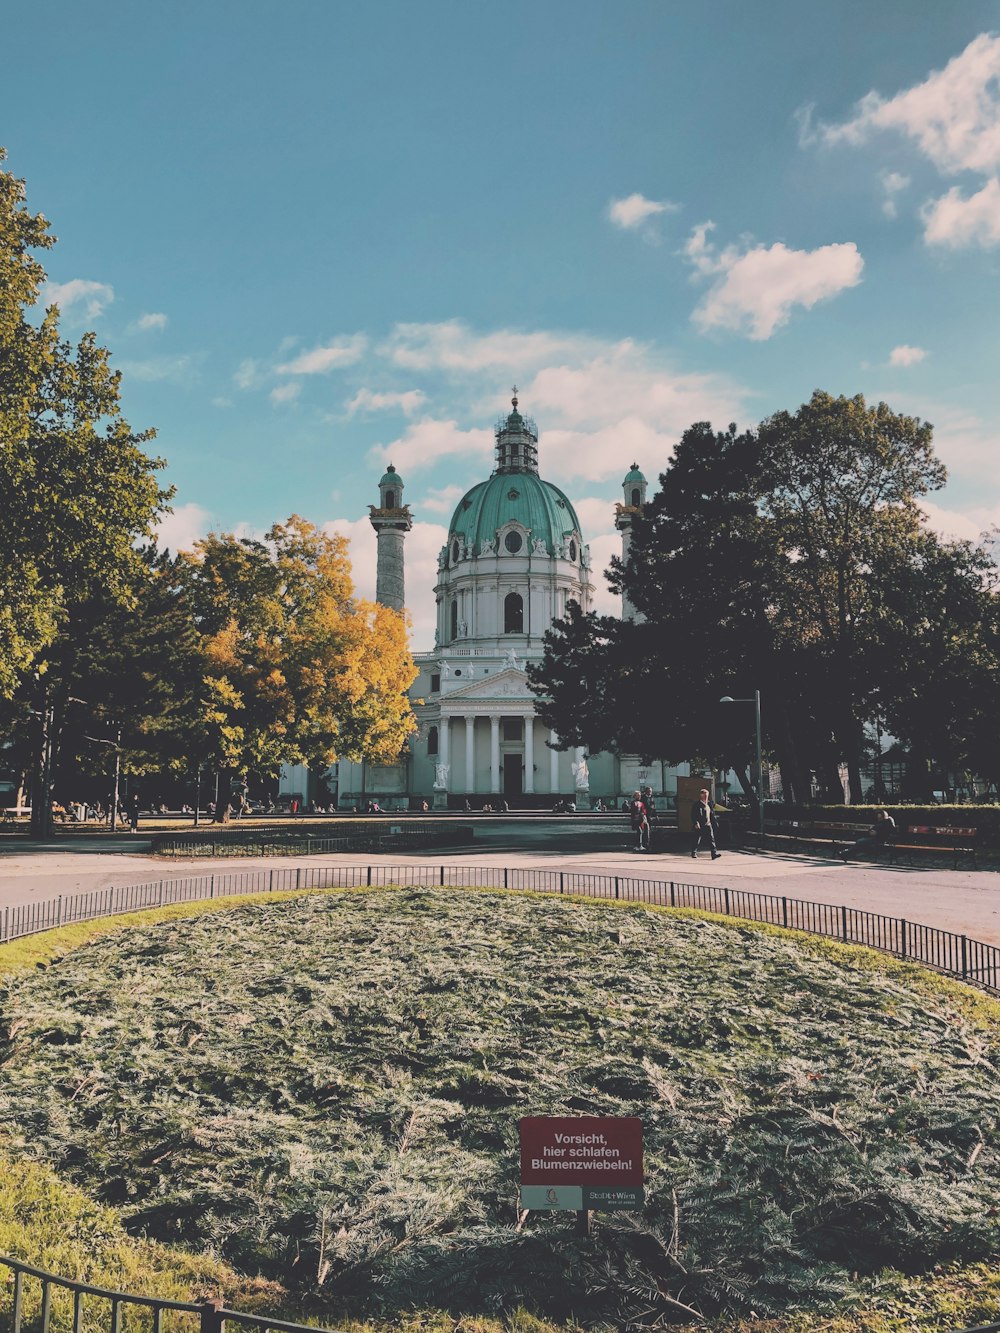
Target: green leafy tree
297,669
793,559
76,487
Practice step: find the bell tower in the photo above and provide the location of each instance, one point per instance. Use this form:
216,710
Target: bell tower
634,492
391,520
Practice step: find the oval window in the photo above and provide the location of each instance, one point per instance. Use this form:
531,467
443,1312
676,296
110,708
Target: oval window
513,542
572,550
454,553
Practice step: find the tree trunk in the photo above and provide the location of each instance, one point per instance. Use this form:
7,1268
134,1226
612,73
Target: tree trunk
42,823
793,780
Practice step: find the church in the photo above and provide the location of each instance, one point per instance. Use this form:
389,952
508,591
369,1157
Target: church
514,557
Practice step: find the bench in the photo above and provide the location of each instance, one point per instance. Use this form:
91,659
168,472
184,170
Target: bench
838,831
948,838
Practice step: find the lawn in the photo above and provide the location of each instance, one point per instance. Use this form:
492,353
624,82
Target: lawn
325,1091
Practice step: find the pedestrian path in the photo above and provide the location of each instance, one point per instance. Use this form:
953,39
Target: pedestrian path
964,901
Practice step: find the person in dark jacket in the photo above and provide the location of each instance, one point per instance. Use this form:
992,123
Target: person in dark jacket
882,831
704,824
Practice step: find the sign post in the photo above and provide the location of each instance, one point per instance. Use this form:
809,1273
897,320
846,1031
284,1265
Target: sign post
581,1163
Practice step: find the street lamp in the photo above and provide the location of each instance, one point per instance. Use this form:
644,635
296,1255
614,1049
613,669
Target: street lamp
728,699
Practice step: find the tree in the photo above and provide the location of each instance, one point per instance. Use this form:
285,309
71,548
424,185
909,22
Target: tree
76,488
297,669
793,559
843,482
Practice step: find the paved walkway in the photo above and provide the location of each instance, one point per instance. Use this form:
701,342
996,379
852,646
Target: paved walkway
964,901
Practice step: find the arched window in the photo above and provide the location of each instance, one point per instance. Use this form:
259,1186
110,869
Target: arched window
454,620
513,614
432,741
390,499
454,553
635,496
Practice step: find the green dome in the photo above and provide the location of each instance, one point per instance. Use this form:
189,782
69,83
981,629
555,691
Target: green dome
633,475
518,497
391,478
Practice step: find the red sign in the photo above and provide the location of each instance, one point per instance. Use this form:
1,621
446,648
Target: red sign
582,1150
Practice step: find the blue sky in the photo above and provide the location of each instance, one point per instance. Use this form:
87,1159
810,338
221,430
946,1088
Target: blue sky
319,237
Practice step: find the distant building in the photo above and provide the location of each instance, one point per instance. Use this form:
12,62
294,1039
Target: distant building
515,557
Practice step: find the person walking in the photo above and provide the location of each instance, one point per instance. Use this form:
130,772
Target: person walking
639,821
882,830
704,824
132,812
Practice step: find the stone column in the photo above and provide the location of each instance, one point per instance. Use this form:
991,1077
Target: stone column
444,749
529,753
554,764
494,754
470,757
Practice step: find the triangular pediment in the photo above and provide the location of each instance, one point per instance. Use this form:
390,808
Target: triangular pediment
507,684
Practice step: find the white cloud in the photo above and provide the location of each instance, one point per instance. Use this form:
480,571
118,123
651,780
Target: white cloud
906,356
442,501
179,369
953,116
427,441
180,530
893,183
961,525
365,400
630,381
154,320
756,290
955,221
80,298
246,374
286,393
452,346
630,213
600,455
346,351
420,551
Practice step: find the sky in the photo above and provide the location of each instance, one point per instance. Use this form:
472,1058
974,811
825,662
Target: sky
320,237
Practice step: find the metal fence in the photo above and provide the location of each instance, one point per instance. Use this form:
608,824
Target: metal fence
955,955
43,1302
34,1293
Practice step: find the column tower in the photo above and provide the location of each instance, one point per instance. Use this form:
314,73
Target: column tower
634,491
391,520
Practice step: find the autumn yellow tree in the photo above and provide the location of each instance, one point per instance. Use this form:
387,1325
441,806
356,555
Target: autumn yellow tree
297,668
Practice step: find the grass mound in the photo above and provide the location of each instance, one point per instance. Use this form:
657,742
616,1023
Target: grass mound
326,1090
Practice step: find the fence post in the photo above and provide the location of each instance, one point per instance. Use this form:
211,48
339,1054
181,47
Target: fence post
161,892
368,881
784,912
617,893
902,937
211,1317
298,876
441,877
843,924
673,900
59,910
211,885
270,880
726,892
560,881
505,877
965,957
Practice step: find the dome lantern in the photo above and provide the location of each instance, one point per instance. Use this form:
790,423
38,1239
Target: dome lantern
516,442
